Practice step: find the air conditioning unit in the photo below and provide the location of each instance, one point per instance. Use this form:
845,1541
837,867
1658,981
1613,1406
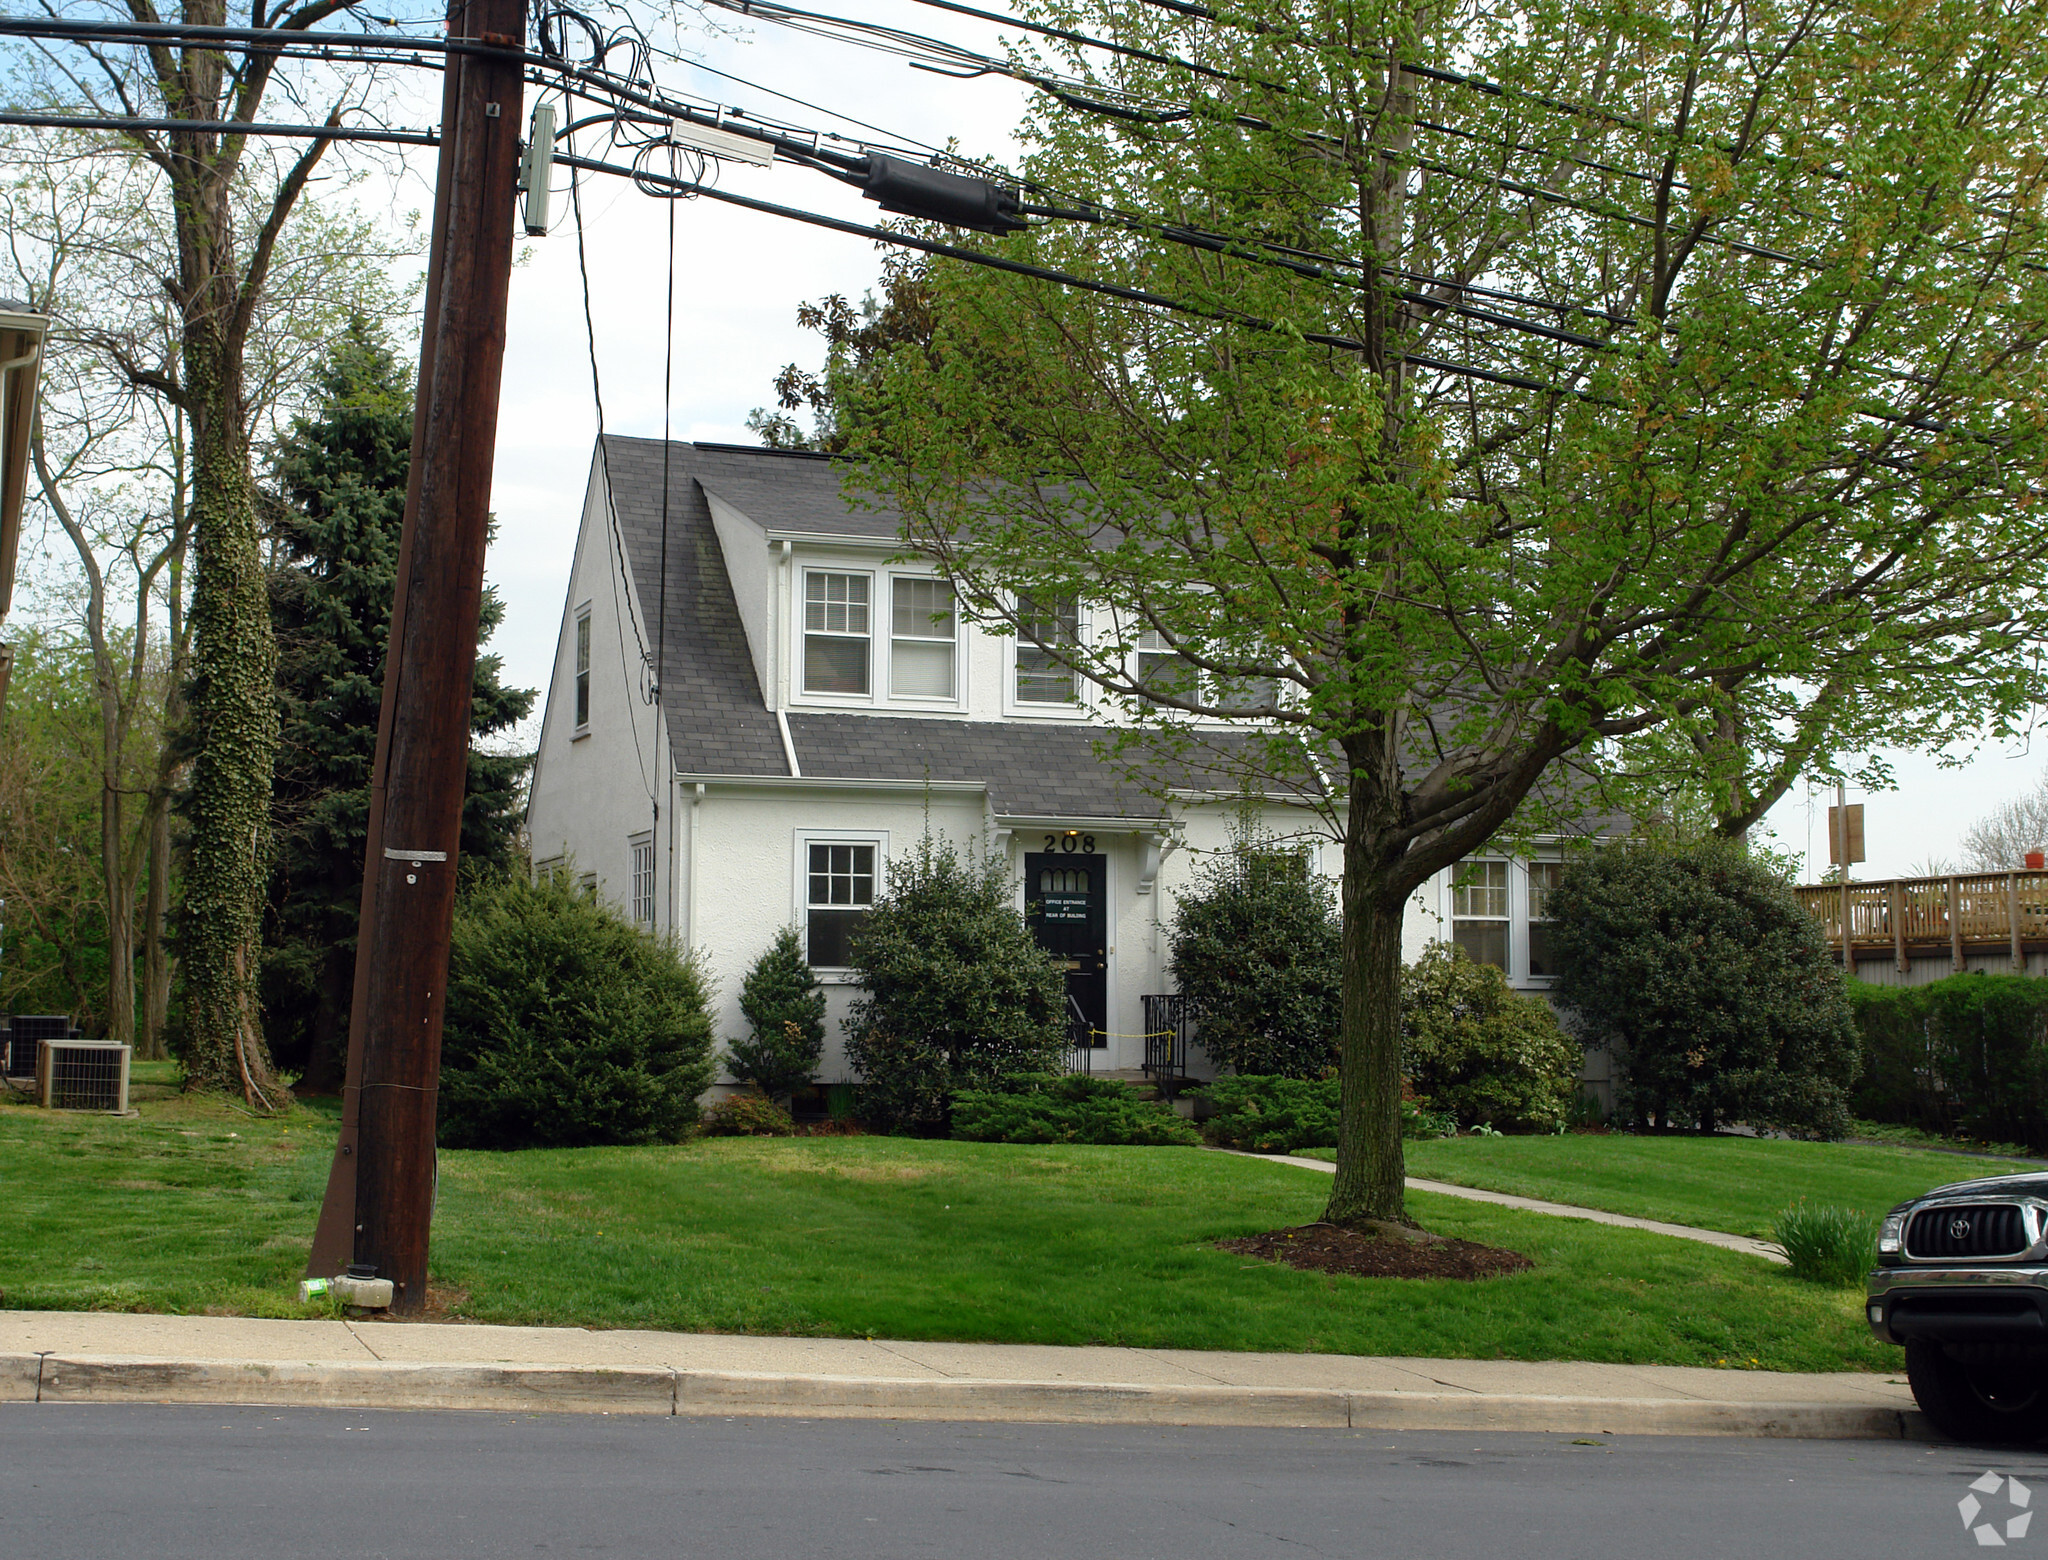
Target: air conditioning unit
27,1033
83,1075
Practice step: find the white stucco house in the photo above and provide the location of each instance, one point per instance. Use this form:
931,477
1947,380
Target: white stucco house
819,703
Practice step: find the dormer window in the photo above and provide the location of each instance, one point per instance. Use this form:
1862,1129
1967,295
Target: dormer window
1054,623
836,632
923,630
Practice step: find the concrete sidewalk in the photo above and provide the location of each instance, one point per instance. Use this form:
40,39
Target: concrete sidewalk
1727,1242
79,1357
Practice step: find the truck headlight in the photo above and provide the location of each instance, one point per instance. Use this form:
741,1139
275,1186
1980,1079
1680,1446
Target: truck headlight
1892,1234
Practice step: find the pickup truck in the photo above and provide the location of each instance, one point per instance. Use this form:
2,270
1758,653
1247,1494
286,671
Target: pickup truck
1962,1281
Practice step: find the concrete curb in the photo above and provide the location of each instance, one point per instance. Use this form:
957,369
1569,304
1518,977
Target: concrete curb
575,1389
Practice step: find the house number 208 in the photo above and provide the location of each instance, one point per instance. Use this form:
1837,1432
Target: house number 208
1067,844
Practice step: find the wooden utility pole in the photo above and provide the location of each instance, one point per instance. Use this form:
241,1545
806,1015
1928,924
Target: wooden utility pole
380,1191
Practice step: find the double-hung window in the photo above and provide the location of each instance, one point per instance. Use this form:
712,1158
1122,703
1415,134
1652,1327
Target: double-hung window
1479,911
1160,669
643,879
922,634
836,632
839,887
1543,877
583,667
1053,624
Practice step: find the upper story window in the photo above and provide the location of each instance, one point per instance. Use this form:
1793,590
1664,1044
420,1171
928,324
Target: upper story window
1479,911
1159,669
1543,876
839,888
836,632
1041,679
923,631
583,666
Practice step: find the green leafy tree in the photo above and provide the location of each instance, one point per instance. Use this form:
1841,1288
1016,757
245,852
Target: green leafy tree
566,1026
784,1007
1476,1048
225,199
53,942
335,520
955,991
1256,950
1513,425
1709,983
856,340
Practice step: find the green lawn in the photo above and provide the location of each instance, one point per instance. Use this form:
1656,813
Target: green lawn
197,1207
1716,1183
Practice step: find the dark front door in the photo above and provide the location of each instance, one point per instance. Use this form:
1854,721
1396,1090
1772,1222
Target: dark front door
1065,902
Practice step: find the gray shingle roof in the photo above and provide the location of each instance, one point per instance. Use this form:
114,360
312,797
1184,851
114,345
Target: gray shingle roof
718,723
1032,771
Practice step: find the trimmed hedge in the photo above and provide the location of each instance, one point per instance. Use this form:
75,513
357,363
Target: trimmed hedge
1270,1115
1071,1109
1965,1057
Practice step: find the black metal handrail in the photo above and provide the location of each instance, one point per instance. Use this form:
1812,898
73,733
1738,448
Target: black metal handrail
1167,1030
1080,1039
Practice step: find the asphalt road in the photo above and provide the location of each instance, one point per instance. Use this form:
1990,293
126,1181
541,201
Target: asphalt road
100,1482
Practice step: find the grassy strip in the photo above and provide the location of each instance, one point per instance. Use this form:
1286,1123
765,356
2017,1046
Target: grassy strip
196,1207
1717,1183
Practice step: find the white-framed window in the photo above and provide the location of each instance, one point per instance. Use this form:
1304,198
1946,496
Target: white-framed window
1041,679
924,634
586,883
1480,907
838,876
642,846
583,667
1159,669
838,632
1543,876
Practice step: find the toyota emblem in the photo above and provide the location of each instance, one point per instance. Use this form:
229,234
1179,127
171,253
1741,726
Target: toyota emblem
1959,1228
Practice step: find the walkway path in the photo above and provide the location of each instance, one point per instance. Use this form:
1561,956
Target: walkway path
1727,1242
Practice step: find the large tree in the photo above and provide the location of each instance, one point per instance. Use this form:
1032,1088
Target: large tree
88,240
227,199
1561,375
334,522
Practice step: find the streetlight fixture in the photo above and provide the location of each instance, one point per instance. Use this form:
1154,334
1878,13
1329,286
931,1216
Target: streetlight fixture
22,331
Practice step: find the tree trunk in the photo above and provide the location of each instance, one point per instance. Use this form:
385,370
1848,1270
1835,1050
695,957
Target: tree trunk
156,964
118,880
234,714
1371,1173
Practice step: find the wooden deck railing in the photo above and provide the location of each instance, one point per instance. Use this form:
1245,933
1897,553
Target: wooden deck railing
1969,912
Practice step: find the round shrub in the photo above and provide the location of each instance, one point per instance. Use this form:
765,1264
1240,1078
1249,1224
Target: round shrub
785,1011
955,992
1480,1051
1711,986
566,1026
1256,952
747,1115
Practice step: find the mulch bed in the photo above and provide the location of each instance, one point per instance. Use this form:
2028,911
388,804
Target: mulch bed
1334,1248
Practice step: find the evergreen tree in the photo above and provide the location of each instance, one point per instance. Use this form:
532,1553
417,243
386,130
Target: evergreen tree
785,1010
335,517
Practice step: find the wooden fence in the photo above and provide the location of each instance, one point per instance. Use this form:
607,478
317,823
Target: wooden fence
1969,912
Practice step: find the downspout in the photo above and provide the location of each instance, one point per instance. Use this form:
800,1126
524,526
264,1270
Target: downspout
690,913
776,628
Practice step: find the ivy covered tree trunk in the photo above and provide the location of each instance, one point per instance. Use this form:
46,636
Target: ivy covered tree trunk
234,719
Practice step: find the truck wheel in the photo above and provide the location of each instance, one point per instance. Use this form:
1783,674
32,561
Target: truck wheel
1995,1404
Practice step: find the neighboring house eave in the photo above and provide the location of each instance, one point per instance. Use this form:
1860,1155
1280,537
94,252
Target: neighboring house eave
828,783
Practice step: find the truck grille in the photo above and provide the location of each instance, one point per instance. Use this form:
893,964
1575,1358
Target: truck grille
1967,1230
